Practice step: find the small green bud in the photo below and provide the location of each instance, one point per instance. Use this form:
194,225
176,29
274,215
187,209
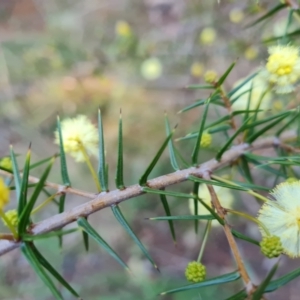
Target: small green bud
210,76
195,272
271,246
12,216
206,140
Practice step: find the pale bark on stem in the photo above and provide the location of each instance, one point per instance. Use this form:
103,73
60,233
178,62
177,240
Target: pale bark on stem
231,241
106,199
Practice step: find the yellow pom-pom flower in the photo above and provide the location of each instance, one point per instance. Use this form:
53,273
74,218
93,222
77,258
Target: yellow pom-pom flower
6,163
78,133
206,140
196,69
281,216
283,68
207,36
123,29
151,68
12,216
210,76
224,195
195,272
4,194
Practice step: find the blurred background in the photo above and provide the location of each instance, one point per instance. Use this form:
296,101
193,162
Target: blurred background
69,57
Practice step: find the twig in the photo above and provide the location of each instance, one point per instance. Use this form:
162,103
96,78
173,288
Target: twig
233,246
106,199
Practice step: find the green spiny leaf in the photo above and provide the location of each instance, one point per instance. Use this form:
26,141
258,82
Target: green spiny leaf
260,132
167,193
144,178
171,146
245,170
234,90
119,216
102,164
43,161
281,281
16,172
241,236
24,218
61,208
213,100
85,236
225,75
41,259
82,223
24,184
209,282
36,265
165,204
201,129
195,193
257,295
29,237
270,13
63,161
119,175
200,86
278,133
231,139
217,183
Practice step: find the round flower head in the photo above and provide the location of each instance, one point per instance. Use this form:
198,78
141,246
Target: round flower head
251,53
4,194
207,36
151,68
236,15
282,217
123,29
195,272
283,68
6,163
224,195
271,246
206,140
12,216
210,76
196,69
78,133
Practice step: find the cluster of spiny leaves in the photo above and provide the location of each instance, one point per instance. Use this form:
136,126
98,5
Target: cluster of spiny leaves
251,128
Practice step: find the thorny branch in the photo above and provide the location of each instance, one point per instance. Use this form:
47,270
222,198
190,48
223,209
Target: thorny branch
106,199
